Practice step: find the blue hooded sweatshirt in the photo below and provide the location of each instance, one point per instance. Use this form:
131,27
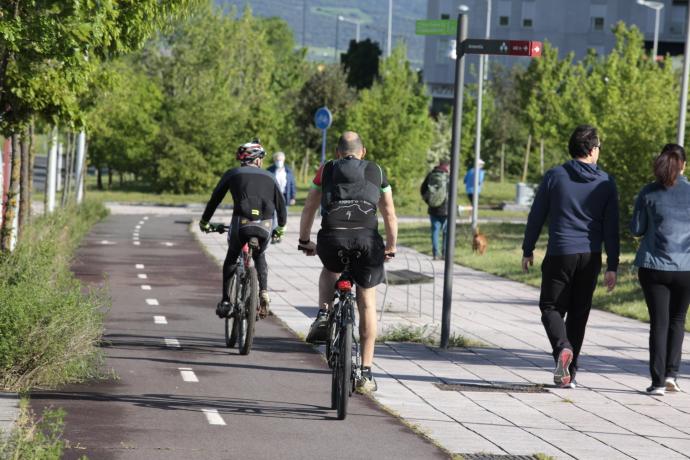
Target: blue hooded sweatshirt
581,204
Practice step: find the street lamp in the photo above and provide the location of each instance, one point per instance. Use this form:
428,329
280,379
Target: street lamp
352,21
337,33
656,6
684,86
390,27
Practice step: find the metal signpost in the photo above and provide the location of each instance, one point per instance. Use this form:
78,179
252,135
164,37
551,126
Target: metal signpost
464,46
323,119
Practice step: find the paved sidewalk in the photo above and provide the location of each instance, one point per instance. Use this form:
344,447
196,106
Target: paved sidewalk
9,411
608,416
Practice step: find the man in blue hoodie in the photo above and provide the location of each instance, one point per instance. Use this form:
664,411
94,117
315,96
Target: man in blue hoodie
581,204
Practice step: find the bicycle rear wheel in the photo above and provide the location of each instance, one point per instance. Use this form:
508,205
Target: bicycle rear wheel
251,303
230,329
344,370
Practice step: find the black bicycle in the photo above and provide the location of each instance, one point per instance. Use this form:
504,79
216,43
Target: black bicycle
243,292
342,347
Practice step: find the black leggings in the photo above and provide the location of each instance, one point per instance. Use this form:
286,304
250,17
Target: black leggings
238,236
667,295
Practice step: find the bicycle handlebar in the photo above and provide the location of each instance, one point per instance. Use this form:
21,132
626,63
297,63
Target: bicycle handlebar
218,228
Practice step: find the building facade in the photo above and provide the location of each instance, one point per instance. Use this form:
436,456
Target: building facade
569,25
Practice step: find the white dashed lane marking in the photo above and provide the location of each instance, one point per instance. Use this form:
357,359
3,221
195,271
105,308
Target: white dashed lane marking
152,301
188,374
213,417
139,266
146,217
137,227
172,343
107,243
142,276
141,222
160,319
145,287
137,243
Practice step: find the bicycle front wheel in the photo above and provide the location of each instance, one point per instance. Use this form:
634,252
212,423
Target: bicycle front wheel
251,303
344,370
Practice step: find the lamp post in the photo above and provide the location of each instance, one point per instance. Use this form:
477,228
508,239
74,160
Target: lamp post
478,127
656,6
390,28
337,33
352,21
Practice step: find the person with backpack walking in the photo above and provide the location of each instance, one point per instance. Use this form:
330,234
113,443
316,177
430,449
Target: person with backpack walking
434,191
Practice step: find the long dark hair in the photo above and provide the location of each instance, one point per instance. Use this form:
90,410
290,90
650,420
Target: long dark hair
669,164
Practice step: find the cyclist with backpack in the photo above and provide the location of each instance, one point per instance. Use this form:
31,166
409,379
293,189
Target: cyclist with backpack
255,196
434,191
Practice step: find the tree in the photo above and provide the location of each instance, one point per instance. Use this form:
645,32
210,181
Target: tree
361,63
327,86
393,120
124,121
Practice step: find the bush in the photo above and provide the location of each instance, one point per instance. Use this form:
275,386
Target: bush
49,326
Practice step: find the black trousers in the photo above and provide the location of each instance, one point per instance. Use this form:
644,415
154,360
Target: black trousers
667,295
567,287
238,236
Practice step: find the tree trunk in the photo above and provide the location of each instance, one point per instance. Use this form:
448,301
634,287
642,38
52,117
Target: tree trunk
32,160
24,197
7,232
110,178
503,160
541,156
65,166
99,178
121,180
526,163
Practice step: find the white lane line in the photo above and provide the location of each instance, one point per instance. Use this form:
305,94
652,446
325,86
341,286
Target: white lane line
137,227
145,217
168,244
139,266
141,222
188,374
142,276
213,417
172,343
146,287
135,234
157,319
137,243
152,301
107,243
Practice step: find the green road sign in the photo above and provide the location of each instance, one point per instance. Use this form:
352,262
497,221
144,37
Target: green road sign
436,27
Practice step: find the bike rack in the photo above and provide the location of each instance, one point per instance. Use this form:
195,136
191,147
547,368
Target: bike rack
421,261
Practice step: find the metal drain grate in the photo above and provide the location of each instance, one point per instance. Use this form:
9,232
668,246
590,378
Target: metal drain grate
495,387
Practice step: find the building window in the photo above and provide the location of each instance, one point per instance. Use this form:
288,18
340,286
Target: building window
678,13
597,14
504,13
528,10
442,51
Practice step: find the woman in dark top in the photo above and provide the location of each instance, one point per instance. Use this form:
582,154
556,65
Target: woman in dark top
662,218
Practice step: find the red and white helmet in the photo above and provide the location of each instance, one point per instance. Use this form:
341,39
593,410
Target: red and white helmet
250,151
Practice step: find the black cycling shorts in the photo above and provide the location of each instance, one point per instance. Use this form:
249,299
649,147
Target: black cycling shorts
367,271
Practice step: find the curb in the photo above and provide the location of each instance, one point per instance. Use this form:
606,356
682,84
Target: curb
9,411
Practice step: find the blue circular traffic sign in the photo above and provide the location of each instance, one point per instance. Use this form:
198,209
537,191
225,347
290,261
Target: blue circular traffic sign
323,118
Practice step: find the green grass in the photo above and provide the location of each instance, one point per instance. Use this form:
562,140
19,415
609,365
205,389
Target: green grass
35,438
504,255
427,335
49,325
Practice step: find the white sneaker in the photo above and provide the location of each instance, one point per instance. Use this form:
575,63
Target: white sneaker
672,385
656,391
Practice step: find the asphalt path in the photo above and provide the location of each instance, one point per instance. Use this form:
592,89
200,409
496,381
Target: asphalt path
178,393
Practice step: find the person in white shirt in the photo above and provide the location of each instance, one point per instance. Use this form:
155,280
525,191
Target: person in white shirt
284,177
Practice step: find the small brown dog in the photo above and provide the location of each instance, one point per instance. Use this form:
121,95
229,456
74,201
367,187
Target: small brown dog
479,242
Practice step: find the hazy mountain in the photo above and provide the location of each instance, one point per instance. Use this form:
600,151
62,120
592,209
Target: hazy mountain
322,16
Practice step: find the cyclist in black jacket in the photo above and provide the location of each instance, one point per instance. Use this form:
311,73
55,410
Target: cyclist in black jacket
256,196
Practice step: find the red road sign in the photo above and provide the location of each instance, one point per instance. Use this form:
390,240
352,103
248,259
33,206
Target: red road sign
524,48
